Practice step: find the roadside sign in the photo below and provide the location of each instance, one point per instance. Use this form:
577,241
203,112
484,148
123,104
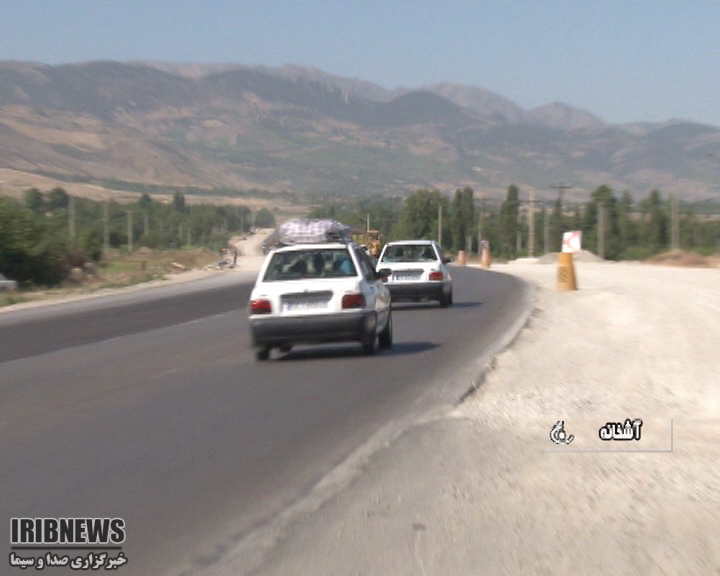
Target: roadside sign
572,241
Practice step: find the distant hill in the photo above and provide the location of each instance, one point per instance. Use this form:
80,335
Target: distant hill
563,117
299,129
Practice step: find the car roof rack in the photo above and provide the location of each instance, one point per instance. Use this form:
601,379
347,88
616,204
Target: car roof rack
313,231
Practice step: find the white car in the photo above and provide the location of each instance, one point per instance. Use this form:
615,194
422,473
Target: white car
319,293
416,270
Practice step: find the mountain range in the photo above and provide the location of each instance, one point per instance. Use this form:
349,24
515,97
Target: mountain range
300,130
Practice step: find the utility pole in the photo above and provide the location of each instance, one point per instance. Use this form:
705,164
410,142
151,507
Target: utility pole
561,190
146,227
106,227
601,230
367,225
71,217
531,224
518,222
180,232
440,222
130,231
547,231
189,237
675,236
480,230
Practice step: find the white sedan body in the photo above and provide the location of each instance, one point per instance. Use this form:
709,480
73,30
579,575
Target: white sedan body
416,270
318,293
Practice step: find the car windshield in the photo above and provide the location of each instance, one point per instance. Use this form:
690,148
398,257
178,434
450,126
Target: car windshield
409,253
301,264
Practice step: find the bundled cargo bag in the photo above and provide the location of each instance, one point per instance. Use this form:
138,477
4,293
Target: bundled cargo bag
313,232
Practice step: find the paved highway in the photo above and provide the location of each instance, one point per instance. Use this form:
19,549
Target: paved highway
151,408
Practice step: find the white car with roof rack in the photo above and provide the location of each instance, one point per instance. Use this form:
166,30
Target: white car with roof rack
319,292
416,270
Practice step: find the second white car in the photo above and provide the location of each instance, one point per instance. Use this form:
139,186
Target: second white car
416,270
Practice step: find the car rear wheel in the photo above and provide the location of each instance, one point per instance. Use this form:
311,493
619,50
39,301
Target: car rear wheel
385,339
446,300
370,343
262,354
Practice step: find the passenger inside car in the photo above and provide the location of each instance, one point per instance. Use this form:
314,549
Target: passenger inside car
344,266
318,263
300,267
428,254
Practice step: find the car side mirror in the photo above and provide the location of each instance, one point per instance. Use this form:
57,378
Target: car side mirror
384,274
447,260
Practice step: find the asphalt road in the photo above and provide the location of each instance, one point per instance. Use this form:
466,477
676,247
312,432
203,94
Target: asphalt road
152,409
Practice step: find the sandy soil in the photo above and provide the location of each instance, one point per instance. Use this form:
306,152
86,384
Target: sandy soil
480,490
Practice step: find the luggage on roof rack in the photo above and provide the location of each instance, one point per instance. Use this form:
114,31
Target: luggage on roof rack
313,232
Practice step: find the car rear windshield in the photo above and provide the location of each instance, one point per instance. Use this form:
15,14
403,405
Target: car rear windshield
301,264
410,253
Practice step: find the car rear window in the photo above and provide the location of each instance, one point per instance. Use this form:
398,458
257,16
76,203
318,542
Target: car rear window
301,264
409,253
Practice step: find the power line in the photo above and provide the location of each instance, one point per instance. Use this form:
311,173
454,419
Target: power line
561,189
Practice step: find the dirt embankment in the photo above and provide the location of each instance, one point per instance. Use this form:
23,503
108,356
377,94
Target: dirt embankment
684,259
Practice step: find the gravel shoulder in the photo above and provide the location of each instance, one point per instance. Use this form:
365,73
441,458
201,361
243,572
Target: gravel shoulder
476,491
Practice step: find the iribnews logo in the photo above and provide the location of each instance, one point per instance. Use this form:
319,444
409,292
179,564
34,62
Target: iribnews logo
52,532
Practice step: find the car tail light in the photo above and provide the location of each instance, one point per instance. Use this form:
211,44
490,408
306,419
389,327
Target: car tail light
435,276
260,307
353,301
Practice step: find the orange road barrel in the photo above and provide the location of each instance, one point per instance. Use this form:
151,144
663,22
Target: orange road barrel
566,280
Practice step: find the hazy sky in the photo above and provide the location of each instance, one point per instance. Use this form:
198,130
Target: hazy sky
621,60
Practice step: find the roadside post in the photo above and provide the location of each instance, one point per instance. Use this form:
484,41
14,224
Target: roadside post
566,281
485,257
460,260
571,244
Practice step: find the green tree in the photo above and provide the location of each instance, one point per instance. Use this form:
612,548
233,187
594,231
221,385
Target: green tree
509,226
557,226
179,201
457,221
419,219
30,251
35,200
57,198
603,198
467,204
264,219
626,226
688,228
657,228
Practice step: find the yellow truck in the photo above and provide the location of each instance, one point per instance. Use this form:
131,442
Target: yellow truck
373,239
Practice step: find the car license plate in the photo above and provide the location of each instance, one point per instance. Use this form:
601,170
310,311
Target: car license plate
298,306
404,277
